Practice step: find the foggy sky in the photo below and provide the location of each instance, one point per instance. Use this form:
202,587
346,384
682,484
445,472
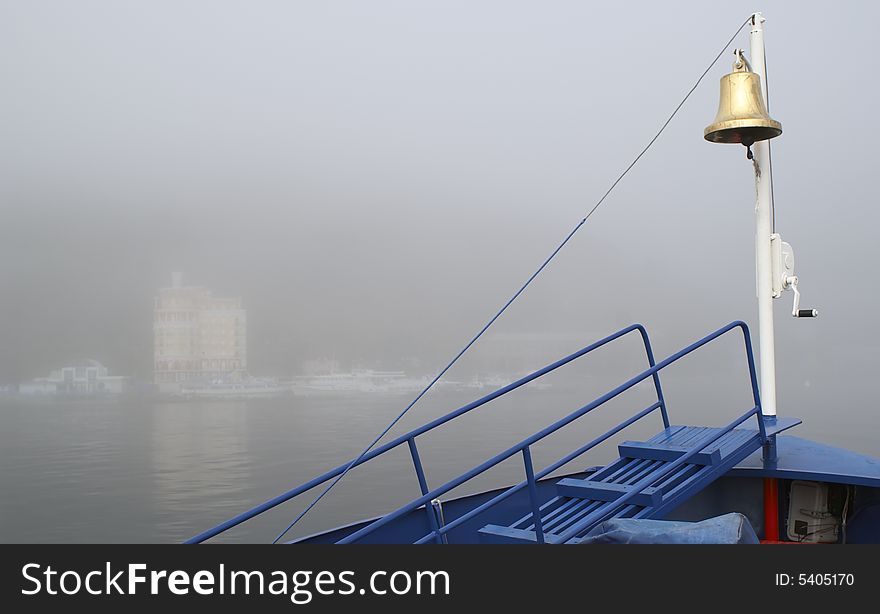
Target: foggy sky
375,179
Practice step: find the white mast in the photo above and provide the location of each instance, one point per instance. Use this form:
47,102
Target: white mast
764,228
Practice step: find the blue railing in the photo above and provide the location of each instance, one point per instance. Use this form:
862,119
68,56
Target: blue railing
523,447
531,478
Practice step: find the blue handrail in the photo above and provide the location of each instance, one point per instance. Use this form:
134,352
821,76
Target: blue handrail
409,438
531,478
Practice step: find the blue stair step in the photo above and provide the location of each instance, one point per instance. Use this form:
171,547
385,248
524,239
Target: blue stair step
605,491
666,452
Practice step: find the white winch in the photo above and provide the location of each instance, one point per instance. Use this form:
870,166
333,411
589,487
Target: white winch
782,270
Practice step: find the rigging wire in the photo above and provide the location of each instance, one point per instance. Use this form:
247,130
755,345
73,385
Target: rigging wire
516,295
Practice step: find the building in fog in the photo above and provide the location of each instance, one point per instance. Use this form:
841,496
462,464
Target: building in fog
197,337
82,377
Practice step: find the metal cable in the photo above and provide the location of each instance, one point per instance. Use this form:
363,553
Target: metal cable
518,292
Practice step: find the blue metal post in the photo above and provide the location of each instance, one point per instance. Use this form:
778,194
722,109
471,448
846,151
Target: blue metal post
651,362
750,356
769,453
533,495
423,485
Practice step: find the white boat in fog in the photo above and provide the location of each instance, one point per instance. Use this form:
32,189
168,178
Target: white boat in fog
369,381
357,381
228,389
498,380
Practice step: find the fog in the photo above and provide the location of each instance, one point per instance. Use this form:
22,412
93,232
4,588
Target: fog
376,179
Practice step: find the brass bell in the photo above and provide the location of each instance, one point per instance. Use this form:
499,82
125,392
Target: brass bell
742,115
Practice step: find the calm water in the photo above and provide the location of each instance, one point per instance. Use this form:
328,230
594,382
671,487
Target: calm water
147,471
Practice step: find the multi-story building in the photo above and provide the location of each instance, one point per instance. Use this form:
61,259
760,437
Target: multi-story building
197,337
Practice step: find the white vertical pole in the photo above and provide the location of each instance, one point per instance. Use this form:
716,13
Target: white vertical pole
761,151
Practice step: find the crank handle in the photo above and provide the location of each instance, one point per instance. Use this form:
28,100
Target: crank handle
796,311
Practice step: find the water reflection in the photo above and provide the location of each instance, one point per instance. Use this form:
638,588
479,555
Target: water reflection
198,453
161,472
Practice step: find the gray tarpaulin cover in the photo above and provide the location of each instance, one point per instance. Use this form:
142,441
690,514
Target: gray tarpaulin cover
731,528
